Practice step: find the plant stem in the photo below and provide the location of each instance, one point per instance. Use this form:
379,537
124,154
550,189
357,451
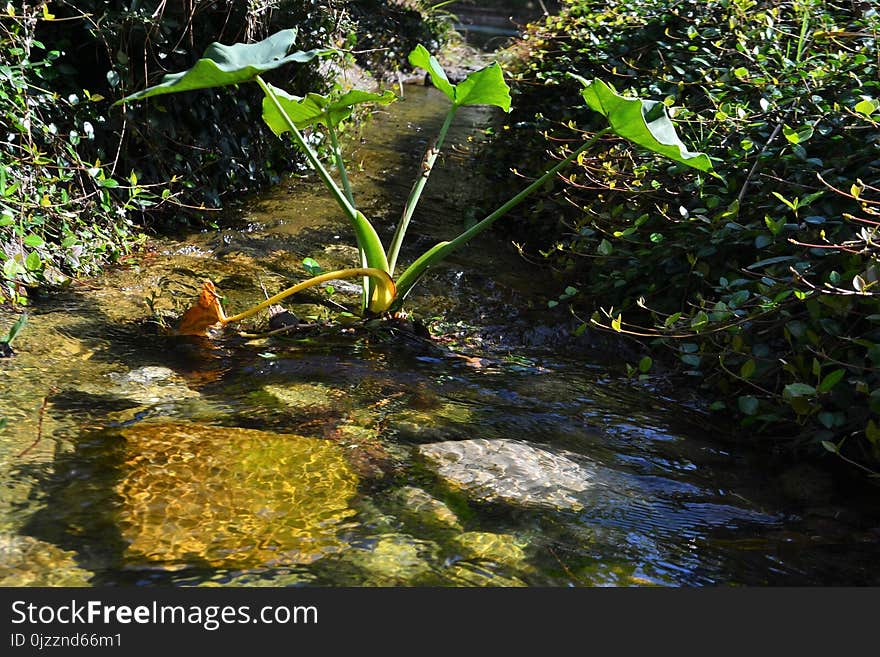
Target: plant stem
312,157
346,186
340,164
383,277
416,191
368,242
443,249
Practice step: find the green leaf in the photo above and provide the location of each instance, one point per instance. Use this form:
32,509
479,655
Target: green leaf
34,241
797,135
831,447
33,262
12,268
691,359
643,122
311,266
672,319
605,248
831,380
15,329
700,320
865,107
645,364
617,323
747,404
483,87
747,369
224,65
317,109
421,58
798,390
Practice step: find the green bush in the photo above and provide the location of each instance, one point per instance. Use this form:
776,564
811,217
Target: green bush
761,286
77,176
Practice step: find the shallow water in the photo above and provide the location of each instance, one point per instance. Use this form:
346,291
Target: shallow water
502,452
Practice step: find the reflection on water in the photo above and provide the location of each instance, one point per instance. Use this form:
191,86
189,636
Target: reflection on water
484,457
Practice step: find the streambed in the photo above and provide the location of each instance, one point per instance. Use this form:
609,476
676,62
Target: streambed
501,452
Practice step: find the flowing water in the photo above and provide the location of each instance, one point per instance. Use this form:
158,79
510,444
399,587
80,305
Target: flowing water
502,451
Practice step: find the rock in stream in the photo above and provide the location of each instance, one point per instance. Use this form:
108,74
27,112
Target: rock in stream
511,471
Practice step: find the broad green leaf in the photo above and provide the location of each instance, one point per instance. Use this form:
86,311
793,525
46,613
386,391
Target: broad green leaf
643,122
798,390
33,262
605,248
224,65
33,240
797,135
421,58
865,107
315,108
483,87
747,369
617,323
311,266
645,364
747,404
831,380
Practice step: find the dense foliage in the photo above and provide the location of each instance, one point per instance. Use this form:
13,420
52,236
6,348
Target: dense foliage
761,285
77,177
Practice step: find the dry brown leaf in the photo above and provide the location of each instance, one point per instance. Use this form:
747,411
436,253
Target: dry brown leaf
206,312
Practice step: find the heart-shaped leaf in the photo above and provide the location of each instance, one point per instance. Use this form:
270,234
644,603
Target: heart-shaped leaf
643,122
483,87
224,65
315,108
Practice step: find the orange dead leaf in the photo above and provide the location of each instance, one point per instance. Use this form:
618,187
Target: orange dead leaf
206,313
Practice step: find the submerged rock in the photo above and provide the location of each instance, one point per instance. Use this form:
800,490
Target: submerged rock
27,561
192,494
504,549
395,560
300,395
511,471
418,509
150,385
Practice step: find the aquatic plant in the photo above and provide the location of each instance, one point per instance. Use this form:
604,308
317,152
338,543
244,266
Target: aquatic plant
645,123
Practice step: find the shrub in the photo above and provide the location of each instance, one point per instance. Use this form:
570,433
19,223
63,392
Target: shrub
762,286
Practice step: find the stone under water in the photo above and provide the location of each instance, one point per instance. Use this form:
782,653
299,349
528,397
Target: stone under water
194,494
512,471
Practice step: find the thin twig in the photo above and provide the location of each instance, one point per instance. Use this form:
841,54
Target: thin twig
40,415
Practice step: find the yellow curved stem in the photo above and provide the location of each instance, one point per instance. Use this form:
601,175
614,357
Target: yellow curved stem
384,293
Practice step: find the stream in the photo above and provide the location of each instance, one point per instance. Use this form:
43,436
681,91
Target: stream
500,451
